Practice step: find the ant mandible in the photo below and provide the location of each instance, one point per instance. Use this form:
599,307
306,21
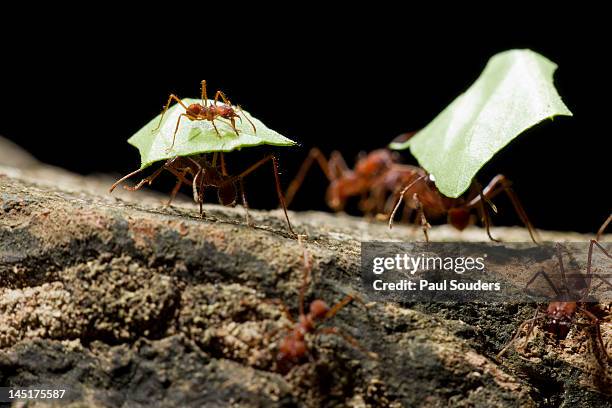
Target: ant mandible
293,347
568,302
382,183
204,111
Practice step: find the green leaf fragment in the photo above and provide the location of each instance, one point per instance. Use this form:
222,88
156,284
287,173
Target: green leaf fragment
199,136
514,92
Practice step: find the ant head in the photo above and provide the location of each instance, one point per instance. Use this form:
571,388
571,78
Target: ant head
560,318
318,309
559,328
227,194
195,109
459,218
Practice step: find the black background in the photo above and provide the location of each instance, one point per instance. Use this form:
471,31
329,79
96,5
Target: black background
73,99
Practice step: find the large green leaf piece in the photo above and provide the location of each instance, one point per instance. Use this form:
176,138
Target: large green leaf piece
514,92
199,136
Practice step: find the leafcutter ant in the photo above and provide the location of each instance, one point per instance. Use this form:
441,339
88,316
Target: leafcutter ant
199,173
293,347
382,182
206,111
570,300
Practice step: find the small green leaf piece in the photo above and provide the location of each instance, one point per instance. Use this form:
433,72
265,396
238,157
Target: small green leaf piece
199,136
514,92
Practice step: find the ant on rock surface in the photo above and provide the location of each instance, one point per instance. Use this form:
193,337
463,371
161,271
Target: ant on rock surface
562,311
382,182
293,348
205,173
204,111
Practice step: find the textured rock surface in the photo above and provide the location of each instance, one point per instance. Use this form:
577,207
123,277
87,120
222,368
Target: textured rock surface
127,303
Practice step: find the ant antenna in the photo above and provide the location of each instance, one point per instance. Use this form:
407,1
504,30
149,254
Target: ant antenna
246,117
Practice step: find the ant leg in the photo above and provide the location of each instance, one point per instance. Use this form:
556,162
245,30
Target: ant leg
337,164
547,278
518,332
178,122
485,214
223,97
245,204
201,196
279,192
367,204
194,186
223,168
562,270
175,190
170,99
246,117
122,179
504,184
203,95
233,125
336,308
596,322
400,198
373,202
198,196
421,214
179,174
148,180
531,326
215,126
349,339
589,273
314,154
603,227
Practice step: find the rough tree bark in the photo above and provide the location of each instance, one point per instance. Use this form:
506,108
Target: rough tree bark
124,302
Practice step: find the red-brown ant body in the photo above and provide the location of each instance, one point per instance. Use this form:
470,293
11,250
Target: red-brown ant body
204,111
293,348
205,173
379,179
561,313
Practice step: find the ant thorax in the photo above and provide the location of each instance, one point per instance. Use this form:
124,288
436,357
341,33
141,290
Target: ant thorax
195,109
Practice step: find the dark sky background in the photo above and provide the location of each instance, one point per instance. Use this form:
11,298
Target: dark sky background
73,103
